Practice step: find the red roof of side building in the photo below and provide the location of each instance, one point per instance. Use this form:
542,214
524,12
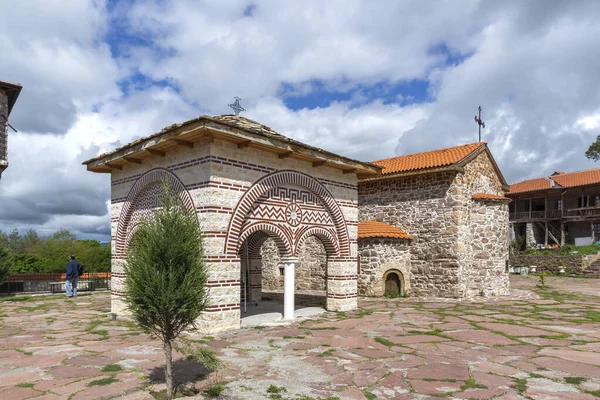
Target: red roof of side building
428,159
530,185
375,229
579,178
487,196
557,180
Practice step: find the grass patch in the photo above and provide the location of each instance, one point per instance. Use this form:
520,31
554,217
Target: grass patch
593,392
472,384
276,389
593,315
25,385
439,380
27,353
432,332
364,312
215,389
294,337
327,353
520,385
102,333
102,382
384,341
112,368
369,395
575,380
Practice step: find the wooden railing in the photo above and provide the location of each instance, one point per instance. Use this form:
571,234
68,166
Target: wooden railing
583,212
525,215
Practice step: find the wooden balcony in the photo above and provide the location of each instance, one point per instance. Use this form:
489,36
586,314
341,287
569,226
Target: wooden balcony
535,215
583,213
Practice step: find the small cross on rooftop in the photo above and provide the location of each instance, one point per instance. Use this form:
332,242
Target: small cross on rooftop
237,108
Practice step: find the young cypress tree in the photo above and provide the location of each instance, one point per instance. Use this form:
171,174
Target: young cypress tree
166,275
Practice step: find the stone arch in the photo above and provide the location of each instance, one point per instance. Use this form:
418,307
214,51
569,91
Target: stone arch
145,188
324,235
279,178
282,239
391,273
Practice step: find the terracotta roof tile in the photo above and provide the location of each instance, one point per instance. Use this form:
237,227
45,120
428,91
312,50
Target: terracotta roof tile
579,178
373,229
428,159
487,196
557,180
530,185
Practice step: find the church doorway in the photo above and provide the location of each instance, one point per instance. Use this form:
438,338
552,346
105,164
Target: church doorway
393,284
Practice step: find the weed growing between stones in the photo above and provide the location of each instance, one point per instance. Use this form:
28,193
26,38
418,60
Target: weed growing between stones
25,385
575,380
472,384
384,341
112,368
103,382
215,389
327,353
520,385
369,395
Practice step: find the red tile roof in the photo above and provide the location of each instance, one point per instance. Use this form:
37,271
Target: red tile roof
579,178
487,196
374,229
558,180
428,159
530,185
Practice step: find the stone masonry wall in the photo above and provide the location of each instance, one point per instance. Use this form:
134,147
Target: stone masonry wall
421,205
482,244
378,256
310,272
574,263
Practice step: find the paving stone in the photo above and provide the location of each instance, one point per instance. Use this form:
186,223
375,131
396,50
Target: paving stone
440,371
515,330
18,393
435,387
573,355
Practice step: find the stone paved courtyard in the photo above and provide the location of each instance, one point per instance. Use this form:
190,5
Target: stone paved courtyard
536,344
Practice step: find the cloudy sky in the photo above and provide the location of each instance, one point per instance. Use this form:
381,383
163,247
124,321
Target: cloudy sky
366,79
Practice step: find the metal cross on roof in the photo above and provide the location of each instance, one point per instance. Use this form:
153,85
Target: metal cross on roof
479,122
237,108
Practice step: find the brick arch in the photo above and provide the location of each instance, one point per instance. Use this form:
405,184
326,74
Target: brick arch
282,240
324,235
279,178
149,179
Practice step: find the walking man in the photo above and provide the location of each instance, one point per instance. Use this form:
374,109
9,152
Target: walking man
73,269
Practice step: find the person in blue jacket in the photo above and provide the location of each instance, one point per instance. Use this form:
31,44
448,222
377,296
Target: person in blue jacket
73,273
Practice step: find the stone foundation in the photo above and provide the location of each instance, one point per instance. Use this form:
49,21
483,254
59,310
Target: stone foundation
574,263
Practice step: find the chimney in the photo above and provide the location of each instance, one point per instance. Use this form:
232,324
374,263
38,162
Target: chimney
8,96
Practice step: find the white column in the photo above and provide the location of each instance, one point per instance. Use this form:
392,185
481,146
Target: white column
288,288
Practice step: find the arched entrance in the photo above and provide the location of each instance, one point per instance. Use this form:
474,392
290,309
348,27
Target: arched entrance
393,284
290,207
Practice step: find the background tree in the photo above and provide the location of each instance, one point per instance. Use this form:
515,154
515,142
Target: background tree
593,152
5,269
166,275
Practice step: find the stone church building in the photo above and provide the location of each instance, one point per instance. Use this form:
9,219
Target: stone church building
279,214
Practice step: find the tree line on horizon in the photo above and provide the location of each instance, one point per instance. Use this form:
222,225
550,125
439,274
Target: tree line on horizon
31,253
